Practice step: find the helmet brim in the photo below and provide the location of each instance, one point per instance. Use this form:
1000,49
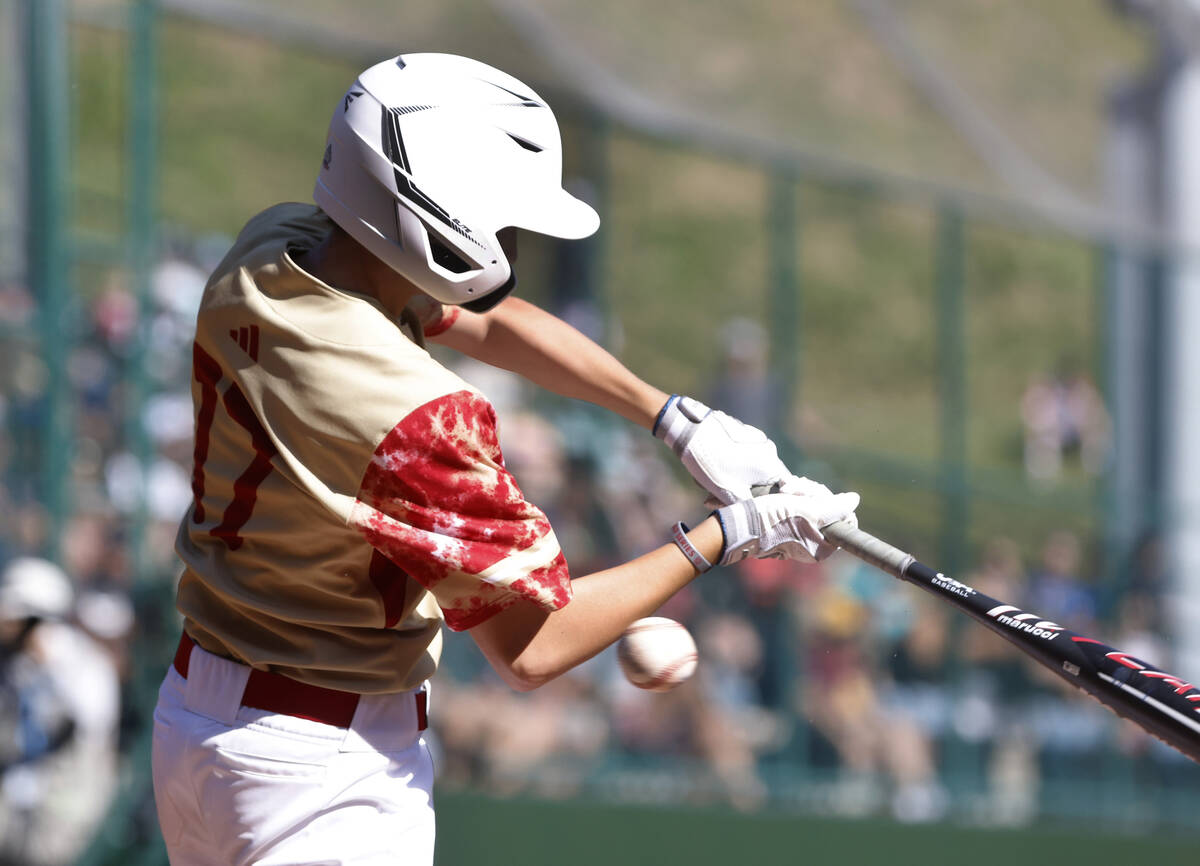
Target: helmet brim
556,213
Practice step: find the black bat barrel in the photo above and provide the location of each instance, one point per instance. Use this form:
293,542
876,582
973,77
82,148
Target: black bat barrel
1165,705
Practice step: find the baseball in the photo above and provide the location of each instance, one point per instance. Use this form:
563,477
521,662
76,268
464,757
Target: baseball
657,653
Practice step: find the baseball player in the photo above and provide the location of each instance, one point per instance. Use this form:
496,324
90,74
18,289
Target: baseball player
350,492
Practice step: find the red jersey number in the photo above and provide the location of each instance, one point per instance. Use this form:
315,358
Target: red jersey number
245,488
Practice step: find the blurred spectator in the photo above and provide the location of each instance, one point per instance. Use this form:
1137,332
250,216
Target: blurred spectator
743,385
176,290
916,711
534,453
1068,726
840,699
741,726
1057,589
584,526
17,307
543,742
687,733
1064,414
58,722
24,531
115,316
993,706
1139,633
874,688
767,591
638,488
96,551
1145,578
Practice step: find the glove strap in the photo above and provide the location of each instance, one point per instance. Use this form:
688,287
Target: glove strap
661,412
678,421
742,527
695,557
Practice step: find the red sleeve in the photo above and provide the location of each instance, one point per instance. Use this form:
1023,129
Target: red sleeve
438,502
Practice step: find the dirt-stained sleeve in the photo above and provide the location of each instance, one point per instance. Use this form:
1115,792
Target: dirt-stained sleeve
438,502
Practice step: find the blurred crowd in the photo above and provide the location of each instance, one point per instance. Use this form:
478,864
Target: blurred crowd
828,687
81,590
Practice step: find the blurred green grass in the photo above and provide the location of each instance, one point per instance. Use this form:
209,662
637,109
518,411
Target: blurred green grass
708,836
1044,70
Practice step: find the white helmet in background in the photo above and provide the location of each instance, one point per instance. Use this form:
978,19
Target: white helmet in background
429,156
32,587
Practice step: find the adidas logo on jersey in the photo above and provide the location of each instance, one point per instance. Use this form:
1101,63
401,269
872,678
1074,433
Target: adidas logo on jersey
247,338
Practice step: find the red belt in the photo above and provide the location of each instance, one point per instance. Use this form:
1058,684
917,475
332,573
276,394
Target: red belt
279,694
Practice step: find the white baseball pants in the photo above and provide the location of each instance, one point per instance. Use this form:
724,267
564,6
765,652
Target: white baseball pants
237,786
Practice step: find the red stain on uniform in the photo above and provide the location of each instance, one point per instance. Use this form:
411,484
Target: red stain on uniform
437,501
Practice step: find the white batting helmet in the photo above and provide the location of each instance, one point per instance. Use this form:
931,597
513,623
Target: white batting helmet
32,587
430,155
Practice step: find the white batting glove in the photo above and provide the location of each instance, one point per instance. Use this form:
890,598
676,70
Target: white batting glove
726,457
798,485
782,526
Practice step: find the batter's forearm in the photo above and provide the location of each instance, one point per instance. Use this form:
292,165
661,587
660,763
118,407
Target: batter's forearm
540,347
529,647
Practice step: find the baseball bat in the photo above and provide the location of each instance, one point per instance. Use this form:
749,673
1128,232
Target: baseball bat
1164,705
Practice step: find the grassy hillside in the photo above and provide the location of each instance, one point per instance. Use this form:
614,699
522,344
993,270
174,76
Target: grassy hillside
1045,71
684,242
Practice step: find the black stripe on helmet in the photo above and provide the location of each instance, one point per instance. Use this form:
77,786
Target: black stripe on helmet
527,101
394,150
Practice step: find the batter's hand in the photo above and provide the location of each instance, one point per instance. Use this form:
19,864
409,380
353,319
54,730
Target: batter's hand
726,457
782,526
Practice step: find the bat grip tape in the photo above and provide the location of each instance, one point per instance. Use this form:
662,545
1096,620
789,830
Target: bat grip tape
868,548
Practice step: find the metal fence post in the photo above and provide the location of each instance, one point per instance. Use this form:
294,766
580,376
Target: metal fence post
141,228
48,249
952,387
785,363
784,305
952,464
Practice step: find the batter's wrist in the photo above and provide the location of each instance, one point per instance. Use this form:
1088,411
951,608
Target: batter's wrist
706,537
694,556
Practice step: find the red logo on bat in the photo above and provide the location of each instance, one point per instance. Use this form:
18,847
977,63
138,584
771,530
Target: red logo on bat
1179,685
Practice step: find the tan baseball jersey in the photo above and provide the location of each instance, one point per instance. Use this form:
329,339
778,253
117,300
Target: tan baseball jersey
350,493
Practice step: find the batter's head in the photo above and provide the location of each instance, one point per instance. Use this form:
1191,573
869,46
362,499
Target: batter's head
429,156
